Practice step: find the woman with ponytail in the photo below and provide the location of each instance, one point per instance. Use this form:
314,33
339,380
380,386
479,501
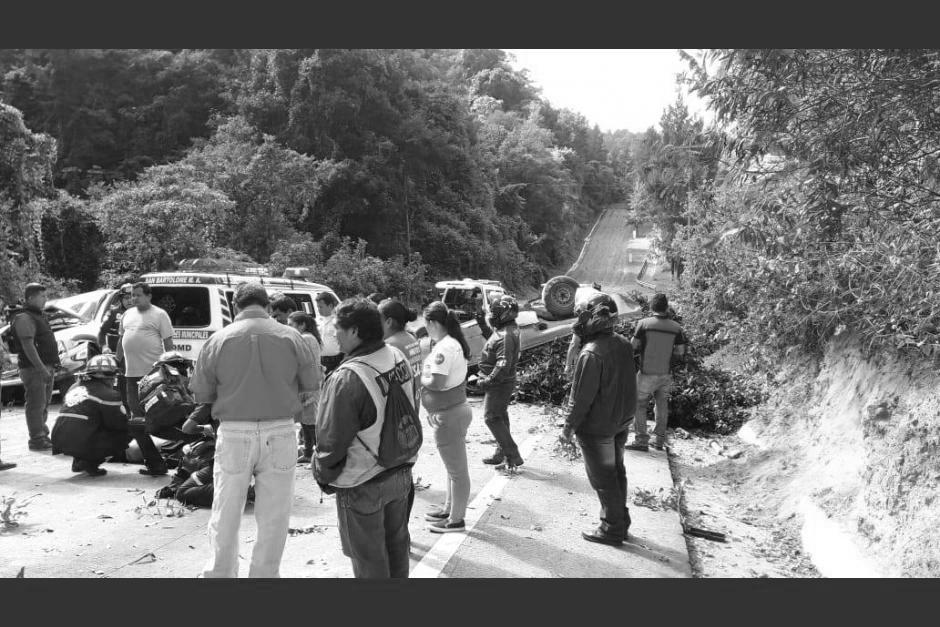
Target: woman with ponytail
444,397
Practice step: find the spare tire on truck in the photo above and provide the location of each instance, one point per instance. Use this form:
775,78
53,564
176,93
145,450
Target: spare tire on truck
559,295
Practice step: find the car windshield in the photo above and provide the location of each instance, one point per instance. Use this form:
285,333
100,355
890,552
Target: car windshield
84,305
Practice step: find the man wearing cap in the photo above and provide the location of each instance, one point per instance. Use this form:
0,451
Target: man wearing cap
109,332
37,358
92,423
253,372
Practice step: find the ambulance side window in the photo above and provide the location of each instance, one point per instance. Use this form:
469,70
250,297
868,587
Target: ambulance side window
304,301
187,306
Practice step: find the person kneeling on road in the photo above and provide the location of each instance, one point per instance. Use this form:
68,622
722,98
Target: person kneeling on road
498,378
92,423
601,405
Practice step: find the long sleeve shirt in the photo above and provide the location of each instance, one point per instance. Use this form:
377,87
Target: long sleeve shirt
603,390
254,369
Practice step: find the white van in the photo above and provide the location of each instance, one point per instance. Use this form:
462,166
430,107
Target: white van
200,303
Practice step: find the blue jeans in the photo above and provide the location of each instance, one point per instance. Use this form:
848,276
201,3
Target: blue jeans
38,396
373,525
266,450
603,461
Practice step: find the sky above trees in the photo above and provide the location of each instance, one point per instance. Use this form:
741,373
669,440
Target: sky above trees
616,89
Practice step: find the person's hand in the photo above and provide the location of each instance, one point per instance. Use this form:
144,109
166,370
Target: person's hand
48,373
190,427
434,420
568,433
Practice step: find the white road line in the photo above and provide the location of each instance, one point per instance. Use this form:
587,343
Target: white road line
443,550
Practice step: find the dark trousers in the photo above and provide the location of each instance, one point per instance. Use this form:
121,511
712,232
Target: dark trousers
373,525
603,461
38,396
122,388
138,428
496,415
310,438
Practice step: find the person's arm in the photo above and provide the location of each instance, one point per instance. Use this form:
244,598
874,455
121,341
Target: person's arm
345,408
119,349
113,415
25,330
204,383
584,388
574,347
102,336
166,331
433,381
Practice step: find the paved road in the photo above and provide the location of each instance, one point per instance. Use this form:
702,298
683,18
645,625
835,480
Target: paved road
524,525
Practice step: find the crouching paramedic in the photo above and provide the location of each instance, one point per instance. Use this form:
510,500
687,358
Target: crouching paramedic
92,423
371,499
498,378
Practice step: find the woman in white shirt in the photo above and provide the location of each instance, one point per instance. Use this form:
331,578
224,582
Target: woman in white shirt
444,397
330,356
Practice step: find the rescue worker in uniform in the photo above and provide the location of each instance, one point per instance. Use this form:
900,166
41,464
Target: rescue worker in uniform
92,422
600,408
497,378
108,333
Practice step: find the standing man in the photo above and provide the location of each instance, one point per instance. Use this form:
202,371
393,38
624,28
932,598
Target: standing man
498,378
657,339
601,405
144,333
38,358
371,501
253,372
282,307
332,355
109,332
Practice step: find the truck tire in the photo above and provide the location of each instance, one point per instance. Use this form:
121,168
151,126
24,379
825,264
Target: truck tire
559,294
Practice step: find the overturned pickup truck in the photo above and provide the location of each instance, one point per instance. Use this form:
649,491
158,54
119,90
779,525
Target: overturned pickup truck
540,320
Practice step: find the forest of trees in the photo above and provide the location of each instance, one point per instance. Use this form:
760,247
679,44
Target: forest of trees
381,169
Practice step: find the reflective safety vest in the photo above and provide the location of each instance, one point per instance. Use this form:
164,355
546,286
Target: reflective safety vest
361,464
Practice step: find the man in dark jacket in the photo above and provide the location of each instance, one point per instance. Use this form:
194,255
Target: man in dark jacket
38,359
92,423
371,500
498,378
601,405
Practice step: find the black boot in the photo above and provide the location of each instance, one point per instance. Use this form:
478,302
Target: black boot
496,458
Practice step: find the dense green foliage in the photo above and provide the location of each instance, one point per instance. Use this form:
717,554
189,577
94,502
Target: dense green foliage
444,163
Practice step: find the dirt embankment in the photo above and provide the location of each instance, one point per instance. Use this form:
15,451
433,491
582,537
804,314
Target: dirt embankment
844,456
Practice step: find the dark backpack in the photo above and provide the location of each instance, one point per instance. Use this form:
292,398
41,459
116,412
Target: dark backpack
165,397
9,337
401,435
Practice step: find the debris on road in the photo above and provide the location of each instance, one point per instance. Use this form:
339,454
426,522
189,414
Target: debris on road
658,500
715,536
146,558
567,449
20,574
294,531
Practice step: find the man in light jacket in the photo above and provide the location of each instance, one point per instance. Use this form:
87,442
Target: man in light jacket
253,371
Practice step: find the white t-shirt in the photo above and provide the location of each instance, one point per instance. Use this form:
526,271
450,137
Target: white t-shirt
328,335
447,358
143,333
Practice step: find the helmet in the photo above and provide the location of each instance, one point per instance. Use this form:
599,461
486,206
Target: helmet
126,289
503,310
598,314
101,366
174,358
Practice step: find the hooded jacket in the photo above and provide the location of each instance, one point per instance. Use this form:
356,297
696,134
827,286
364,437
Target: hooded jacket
603,389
